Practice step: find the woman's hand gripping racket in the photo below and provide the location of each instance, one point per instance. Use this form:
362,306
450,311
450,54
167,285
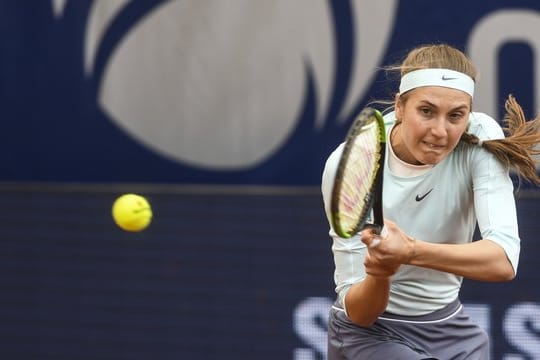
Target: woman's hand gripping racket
359,176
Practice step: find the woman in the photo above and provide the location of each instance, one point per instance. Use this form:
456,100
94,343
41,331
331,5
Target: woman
446,171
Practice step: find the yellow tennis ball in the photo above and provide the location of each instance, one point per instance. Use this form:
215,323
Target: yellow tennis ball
132,212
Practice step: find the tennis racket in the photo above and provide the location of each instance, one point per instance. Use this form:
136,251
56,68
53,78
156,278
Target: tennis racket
358,183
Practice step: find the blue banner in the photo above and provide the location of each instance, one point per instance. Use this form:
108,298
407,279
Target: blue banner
222,113
243,93
229,272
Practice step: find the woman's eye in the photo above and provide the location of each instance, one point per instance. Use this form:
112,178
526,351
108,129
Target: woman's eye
456,116
425,111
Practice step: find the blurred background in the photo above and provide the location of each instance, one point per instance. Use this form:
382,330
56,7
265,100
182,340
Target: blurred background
222,114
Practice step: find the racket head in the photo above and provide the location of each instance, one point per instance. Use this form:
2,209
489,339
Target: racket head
359,174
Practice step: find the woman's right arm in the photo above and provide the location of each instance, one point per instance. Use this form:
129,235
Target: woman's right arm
368,295
368,299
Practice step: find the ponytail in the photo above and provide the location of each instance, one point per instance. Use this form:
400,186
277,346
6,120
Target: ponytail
518,149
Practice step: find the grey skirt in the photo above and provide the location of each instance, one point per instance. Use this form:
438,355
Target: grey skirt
446,334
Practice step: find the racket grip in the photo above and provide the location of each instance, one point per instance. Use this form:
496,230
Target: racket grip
384,232
378,229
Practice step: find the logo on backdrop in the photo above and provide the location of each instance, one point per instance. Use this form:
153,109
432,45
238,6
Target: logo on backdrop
221,86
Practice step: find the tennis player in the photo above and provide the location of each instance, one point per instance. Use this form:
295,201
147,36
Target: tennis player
447,170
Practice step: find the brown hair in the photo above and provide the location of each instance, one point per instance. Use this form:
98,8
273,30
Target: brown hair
438,56
517,150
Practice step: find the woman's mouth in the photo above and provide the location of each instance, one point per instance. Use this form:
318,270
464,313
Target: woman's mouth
433,146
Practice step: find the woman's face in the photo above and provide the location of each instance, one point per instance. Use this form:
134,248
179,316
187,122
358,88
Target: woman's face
433,118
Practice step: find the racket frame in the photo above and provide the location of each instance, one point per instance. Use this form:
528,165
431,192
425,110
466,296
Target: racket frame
374,201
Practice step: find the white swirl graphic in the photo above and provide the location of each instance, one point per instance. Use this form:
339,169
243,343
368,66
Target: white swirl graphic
374,21
58,7
220,85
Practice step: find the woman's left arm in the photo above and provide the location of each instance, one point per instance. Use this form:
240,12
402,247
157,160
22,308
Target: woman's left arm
495,256
482,260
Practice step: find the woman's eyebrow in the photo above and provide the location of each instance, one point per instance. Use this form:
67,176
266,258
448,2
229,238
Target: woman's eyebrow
429,103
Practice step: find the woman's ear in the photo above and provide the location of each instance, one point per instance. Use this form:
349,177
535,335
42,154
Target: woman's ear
398,107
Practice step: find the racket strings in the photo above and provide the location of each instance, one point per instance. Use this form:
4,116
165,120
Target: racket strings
358,177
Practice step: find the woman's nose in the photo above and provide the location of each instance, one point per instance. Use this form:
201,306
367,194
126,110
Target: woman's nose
439,128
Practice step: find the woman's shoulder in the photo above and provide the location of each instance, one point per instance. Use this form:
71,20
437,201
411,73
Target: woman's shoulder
335,155
484,126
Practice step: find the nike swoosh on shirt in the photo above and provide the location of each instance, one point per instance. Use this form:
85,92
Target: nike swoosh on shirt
420,198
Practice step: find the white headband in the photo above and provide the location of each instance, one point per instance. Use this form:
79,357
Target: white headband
437,77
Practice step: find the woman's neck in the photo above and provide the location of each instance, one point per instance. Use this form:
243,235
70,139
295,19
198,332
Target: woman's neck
400,167
399,147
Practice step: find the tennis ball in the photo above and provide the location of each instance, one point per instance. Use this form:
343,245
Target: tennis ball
132,212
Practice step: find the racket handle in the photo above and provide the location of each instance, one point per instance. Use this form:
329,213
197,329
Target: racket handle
381,231
378,229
